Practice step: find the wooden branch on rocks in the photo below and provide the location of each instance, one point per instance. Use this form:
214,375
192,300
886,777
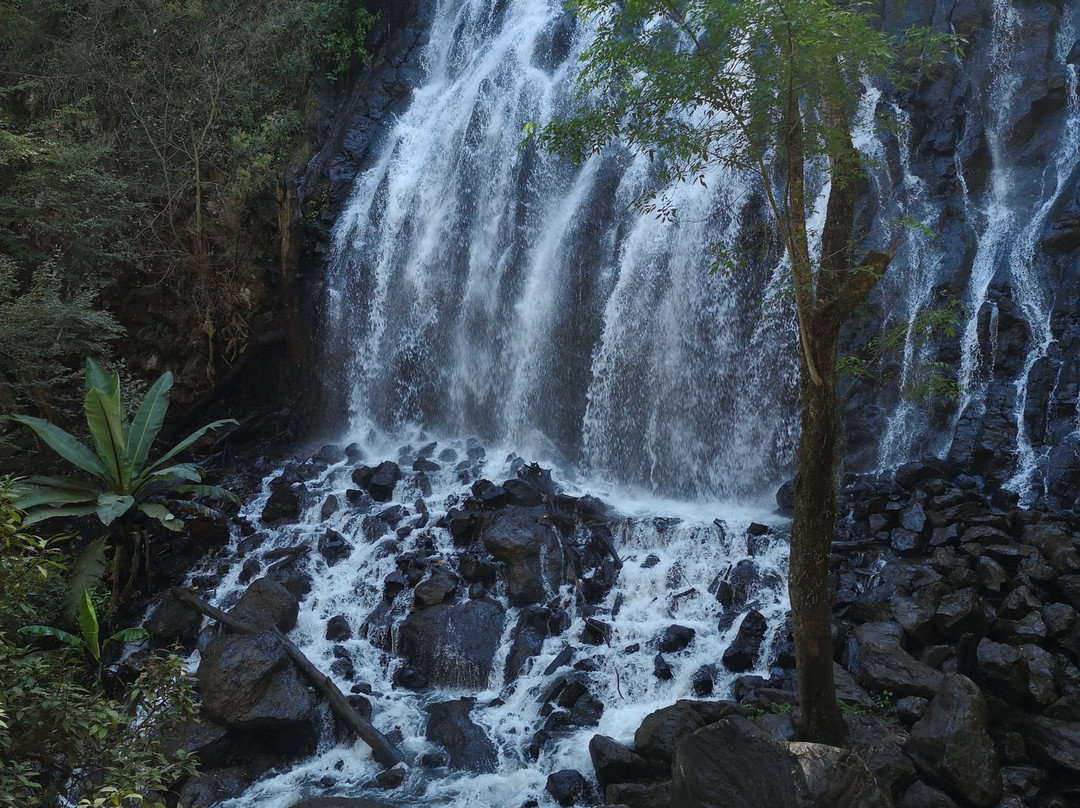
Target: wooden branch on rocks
382,750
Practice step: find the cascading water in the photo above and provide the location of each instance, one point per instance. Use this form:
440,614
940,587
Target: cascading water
492,290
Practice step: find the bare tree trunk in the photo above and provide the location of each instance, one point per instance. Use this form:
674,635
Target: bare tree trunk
811,535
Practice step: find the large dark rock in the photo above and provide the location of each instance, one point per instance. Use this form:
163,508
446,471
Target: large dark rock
656,738
528,543
383,480
880,663
249,684
836,777
951,747
733,764
469,748
283,505
207,789
615,763
171,621
743,652
333,547
266,604
676,638
1054,741
568,787
453,644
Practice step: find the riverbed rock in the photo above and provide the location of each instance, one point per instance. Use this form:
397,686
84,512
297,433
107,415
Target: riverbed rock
453,644
836,777
266,604
526,540
743,652
951,747
465,742
383,480
880,663
615,763
249,684
568,787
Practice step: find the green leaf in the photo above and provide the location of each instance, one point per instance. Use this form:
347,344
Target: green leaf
190,440
111,506
86,572
148,421
126,635
88,624
166,517
49,631
64,444
29,495
97,378
213,491
181,471
35,515
105,418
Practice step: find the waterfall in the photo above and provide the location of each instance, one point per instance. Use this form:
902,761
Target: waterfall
487,289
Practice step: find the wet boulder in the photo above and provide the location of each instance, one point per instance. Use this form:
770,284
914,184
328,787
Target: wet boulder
836,777
530,546
333,547
283,505
881,663
250,685
383,480
468,747
266,604
951,747
733,764
675,638
656,738
568,787
615,763
453,644
172,621
743,652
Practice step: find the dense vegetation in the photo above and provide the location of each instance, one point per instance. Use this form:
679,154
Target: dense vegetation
137,142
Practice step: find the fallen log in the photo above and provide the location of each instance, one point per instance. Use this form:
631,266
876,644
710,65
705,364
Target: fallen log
382,750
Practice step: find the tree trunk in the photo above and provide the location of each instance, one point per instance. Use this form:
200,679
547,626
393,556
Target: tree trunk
811,534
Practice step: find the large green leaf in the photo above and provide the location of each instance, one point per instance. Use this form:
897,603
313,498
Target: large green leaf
189,441
86,573
128,635
155,510
49,631
64,445
96,377
181,471
105,417
88,625
112,506
148,421
61,491
35,515
213,491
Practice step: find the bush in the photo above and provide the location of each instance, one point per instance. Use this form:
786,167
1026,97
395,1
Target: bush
62,739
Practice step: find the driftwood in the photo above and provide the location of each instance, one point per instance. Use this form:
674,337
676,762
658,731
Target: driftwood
382,750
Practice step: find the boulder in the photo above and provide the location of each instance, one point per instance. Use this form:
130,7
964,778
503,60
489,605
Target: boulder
266,604
383,480
171,621
282,506
338,628
1054,741
743,652
568,787
733,764
676,638
920,795
530,546
836,777
207,789
880,663
249,684
333,547
453,644
615,763
468,747
951,747
434,589
656,738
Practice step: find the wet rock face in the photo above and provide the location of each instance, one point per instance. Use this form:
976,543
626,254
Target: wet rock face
249,685
467,745
454,644
951,745
527,542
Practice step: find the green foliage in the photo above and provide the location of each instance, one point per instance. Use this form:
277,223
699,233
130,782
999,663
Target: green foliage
89,638
704,83
123,478
62,739
926,381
